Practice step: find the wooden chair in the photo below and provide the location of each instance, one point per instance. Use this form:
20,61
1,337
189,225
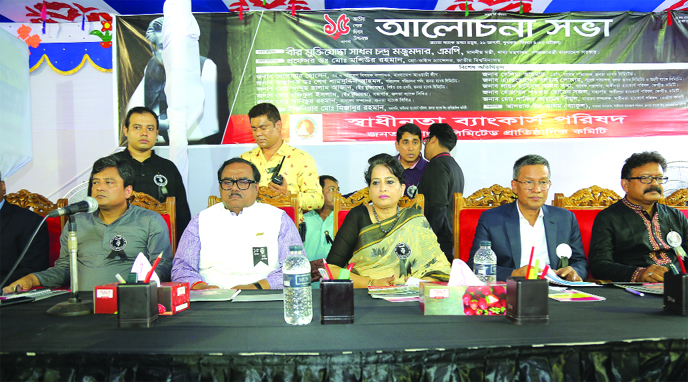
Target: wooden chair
594,197
467,212
586,204
32,201
678,199
342,206
290,205
42,206
168,210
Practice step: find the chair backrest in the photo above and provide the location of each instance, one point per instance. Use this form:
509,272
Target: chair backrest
168,210
594,197
467,211
586,204
32,201
42,206
342,206
290,205
677,199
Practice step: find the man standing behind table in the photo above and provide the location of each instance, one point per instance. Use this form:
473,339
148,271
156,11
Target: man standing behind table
320,226
110,238
16,227
238,243
298,170
153,175
440,180
630,239
408,144
516,228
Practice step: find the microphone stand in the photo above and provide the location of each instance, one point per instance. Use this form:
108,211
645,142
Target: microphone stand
74,306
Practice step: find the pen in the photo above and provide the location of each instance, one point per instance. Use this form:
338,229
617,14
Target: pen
323,274
327,268
544,272
530,262
235,294
680,262
674,270
635,292
121,279
350,267
150,273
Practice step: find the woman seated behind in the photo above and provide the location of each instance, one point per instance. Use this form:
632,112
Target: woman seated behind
387,244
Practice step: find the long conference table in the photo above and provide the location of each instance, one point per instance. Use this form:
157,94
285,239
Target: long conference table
623,338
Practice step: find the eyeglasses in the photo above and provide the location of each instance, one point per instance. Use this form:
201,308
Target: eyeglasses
426,139
649,179
529,184
242,184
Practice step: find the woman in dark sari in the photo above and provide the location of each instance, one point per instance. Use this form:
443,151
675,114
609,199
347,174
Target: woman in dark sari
387,244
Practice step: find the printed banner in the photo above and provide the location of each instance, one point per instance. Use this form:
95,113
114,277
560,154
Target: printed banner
357,75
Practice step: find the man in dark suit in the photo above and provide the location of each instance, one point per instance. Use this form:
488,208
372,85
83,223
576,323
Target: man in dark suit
16,227
516,228
441,179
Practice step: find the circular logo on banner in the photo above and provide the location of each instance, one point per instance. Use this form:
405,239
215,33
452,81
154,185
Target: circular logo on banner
412,191
306,128
160,180
402,250
118,242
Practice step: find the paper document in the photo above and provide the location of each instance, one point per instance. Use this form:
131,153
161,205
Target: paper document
214,294
574,295
555,279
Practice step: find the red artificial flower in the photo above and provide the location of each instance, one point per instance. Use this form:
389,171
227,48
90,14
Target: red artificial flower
107,26
23,32
33,41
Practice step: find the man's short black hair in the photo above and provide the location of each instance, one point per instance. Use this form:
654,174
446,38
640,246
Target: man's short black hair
529,160
140,110
256,172
266,109
641,159
123,168
444,133
388,161
323,178
409,128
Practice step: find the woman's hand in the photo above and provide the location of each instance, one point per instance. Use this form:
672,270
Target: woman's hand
387,281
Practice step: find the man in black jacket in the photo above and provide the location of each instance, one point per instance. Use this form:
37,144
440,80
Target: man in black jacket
154,175
442,178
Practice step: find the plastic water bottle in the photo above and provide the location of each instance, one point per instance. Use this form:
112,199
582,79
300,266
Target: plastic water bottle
485,263
298,300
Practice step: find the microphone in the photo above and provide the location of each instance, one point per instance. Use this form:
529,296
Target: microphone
89,204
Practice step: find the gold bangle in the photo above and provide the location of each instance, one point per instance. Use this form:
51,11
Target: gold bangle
370,283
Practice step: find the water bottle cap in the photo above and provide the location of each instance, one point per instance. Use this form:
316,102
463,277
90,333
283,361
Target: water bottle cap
293,248
485,243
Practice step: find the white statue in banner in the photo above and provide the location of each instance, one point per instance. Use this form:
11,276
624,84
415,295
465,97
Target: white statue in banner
150,91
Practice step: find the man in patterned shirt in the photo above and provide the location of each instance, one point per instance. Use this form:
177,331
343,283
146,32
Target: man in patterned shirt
298,168
631,239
